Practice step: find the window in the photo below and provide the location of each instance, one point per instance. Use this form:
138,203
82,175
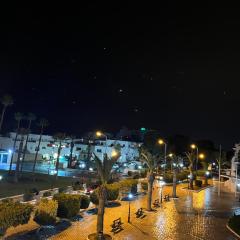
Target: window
99,150
4,158
78,149
43,147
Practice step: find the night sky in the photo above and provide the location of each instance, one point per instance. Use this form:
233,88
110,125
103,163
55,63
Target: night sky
97,66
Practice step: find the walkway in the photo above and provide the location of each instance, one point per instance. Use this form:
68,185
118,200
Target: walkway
194,216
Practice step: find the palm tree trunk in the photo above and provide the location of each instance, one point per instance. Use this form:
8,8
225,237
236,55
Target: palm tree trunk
149,194
58,156
2,117
24,153
13,152
101,208
36,154
191,179
174,194
71,154
18,160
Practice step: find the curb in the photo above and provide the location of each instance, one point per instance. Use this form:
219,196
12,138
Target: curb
232,231
197,191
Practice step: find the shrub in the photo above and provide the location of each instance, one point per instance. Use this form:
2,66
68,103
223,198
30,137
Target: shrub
13,214
130,173
46,212
112,192
62,189
182,175
144,186
68,205
234,223
143,174
47,194
85,201
168,177
94,197
28,196
128,183
35,191
136,176
198,183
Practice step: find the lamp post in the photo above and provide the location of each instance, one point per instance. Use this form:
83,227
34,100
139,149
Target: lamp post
130,196
161,183
219,170
100,134
194,146
161,142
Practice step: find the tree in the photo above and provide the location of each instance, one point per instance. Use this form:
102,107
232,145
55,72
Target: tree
190,158
72,137
151,161
104,169
18,117
6,101
43,123
22,132
30,117
59,137
174,162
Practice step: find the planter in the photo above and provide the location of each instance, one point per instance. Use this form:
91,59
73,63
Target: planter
93,236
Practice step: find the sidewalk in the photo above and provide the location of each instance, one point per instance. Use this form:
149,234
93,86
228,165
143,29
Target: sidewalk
197,216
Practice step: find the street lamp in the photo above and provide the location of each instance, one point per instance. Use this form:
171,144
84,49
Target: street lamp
201,156
161,142
194,146
130,196
161,183
101,134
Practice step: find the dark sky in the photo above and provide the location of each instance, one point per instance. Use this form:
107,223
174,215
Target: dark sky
172,68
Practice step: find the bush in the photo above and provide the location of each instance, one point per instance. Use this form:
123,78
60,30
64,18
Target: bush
47,194
62,189
234,223
13,214
130,173
143,174
46,212
84,202
28,196
168,177
35,191
144,186
182,175
112,192
77,186
198,183
94,197
68,205
128,183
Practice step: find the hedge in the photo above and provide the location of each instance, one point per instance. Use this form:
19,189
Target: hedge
84,202
46,212
13,214
68,205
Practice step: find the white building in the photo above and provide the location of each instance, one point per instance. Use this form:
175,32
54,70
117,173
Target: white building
49,147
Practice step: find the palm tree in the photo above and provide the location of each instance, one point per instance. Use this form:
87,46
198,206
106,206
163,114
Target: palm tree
151,161
6,101
104,169
190,157
174,170
43,123
30,117
71,151
22,132
18,117
59,137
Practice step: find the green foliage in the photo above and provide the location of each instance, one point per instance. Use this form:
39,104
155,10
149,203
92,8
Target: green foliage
143,173
198,183
47,194
234,223
13,214
46,212
77,187
85,201
182,175
62,189
112,192
94,197
68,205
130,173
28,196
127,183
168,177
144,186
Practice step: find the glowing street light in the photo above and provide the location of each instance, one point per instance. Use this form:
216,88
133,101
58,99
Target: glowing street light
207,173
162,142
130,196
201,156
114,153
1,177
194,146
